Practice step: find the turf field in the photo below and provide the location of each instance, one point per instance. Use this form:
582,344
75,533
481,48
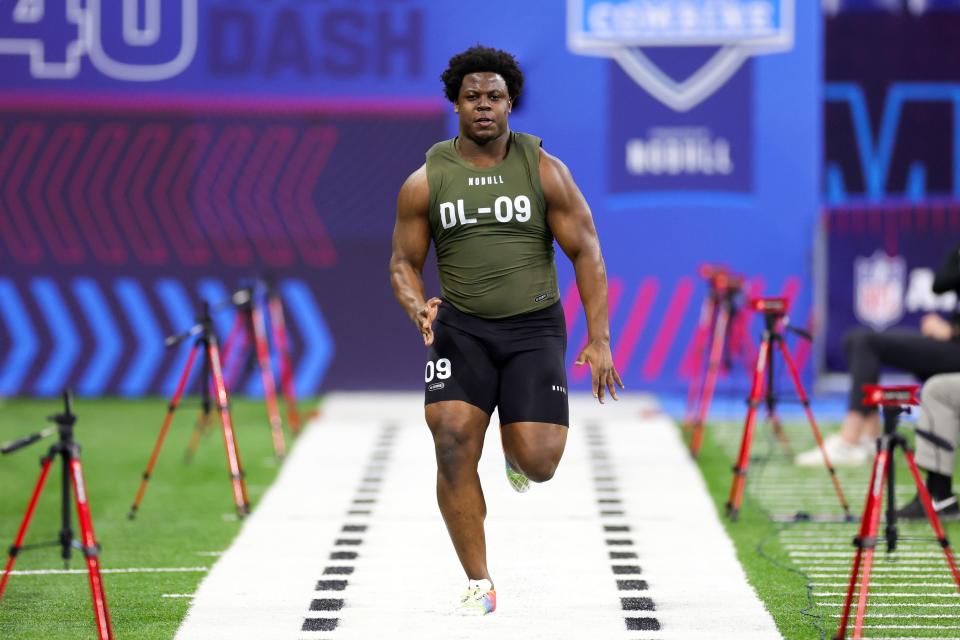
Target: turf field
186,518
154,564
801,570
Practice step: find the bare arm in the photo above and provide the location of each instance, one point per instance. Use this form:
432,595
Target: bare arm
571,222
411,242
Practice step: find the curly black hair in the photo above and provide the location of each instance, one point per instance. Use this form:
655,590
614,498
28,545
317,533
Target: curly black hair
479,58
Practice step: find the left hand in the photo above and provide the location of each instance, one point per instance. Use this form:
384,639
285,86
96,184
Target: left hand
604,374
933,326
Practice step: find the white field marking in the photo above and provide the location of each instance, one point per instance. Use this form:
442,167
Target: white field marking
938,605
905,615
839,546
56,572
837,554
813,565
833,594
263,585
214,554
177,595
839,574
676,528
911,626
918,585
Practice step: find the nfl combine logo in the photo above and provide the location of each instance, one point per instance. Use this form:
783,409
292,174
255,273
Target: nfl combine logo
879,285
731,31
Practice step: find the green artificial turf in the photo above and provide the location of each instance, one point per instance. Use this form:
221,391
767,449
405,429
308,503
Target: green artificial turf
781,583
186,516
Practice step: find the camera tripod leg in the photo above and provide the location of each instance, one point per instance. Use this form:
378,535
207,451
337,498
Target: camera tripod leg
701,347
279,326
805,401
25,523
865,540
269,387
743,460
234,466
717,345
932,517
171,409
90,549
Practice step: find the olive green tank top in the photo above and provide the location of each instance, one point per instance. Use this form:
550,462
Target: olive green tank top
489,227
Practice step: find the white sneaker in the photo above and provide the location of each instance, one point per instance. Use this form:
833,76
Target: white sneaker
840,452
478,600
868,444
519,482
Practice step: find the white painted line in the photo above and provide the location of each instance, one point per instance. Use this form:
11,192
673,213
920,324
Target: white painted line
214,554
263,585
56,572
911,626
893,595
895,555
177,595
924,585
905,615
912,605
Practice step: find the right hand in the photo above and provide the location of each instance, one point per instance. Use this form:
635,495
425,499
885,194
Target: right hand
424,319
933,326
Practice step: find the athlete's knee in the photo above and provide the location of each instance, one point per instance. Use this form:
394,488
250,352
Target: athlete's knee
942,388
457,448
540,470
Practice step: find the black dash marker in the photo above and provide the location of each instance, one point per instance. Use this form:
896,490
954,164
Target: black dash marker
326,604
350,542
319,624
619,569
331,585
610,528
602,501
622,555
364,501
355,528
631,585
642,624
345,571
351,555
611,512
637,604
614,543
606,489
604,479
359,512
372,479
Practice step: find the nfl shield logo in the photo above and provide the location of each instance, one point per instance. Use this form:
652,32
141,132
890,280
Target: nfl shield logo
879,284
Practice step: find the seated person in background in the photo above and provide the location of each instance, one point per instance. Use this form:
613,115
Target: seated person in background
936,349
938,429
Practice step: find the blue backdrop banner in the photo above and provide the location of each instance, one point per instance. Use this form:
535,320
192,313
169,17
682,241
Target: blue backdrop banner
166,151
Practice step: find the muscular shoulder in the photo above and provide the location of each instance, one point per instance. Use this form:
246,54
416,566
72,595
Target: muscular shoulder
555,178
414,195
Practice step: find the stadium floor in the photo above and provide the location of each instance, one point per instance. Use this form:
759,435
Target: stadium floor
348,543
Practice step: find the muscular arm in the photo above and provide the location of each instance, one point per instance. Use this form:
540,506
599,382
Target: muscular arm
571,222
411,241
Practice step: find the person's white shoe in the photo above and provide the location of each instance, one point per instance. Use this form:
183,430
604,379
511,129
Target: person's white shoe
478,600
519,482
840,452
868,444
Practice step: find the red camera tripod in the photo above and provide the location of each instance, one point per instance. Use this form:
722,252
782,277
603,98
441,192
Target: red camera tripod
723,334
206,341
774,312
67,449
894,400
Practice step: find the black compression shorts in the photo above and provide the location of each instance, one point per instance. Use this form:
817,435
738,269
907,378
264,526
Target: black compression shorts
515,364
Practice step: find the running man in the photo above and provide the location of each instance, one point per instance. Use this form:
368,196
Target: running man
493,201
